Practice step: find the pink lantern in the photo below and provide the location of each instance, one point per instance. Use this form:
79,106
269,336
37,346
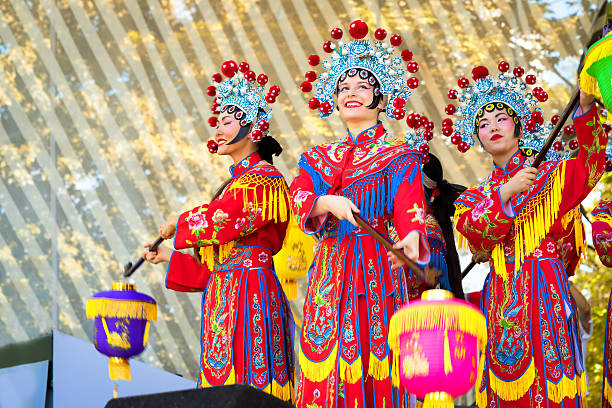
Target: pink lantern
435,343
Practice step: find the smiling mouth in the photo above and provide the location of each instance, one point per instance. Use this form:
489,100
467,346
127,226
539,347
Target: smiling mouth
496,136
221,142
352,104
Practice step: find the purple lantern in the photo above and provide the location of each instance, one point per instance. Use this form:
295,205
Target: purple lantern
121,326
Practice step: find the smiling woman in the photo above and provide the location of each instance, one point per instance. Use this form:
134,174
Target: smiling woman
354,288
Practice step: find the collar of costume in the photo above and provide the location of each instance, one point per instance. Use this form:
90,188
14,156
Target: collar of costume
367,135
376,57
488,93
516,161
243,90
245,164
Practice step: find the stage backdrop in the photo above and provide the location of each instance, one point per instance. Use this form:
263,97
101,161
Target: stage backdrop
104,123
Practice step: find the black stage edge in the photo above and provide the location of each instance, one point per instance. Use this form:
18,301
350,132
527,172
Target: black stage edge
227,396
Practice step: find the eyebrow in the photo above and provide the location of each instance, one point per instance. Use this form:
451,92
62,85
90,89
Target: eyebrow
500,113
358,83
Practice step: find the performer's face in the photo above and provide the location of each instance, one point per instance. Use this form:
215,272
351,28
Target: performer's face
354,96
227,129
496,132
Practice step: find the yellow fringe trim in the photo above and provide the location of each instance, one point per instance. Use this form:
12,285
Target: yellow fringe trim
231,379
119,369
481,398
566,387
607,394
515,389
600,50
437,316
448,364
462,242
438,400
209,256
575,216
499,261
534,221
395,377
378,369
275,204
351,373
318,371
120,308
283,392
290,288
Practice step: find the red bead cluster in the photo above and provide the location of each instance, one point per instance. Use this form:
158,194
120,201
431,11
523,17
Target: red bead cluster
416,121
358,30
230,69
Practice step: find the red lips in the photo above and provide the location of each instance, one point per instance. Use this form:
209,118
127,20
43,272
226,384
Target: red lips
496,136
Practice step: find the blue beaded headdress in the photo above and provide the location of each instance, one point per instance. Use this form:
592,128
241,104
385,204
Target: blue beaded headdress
244,90
375,57
506,89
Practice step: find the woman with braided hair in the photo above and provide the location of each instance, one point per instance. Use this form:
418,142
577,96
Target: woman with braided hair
247,333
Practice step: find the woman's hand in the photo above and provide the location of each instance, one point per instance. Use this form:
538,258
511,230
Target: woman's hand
481,257
167,229
162,254
518,184
410,246
340,206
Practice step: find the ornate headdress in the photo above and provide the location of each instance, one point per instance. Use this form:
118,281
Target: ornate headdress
376,57
489,92
243,90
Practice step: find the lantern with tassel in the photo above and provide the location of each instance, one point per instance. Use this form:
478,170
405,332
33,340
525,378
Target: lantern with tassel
596,75
294,259
121,326
435,343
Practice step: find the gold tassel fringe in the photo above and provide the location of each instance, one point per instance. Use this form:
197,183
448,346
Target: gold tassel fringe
395,369
566,387
283,392
378,369
231,379
209,256
438,400
534,221
462,242
481,398
515,389
275,198
318,371
290,288
607,394
115,308
499,262
351,373
119,369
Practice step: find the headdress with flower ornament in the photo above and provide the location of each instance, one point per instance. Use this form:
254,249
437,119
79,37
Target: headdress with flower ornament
361,54
243,90
489,92
419,134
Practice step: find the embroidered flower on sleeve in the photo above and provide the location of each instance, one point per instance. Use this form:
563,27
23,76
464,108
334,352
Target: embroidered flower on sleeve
481,209
550,247
263,257
219,216
248,263
301,196
197,221
537,253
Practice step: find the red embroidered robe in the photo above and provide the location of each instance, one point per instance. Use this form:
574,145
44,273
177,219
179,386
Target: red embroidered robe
602,240
353,291
533,358
246,319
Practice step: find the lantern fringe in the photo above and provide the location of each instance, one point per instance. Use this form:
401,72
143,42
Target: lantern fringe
437,316
283,392
120,309
448,365
395,377
598,51
514,389
607,393
290,288
566,387
145,337
378,369
351,373
438,400
319,370
119,369
534,221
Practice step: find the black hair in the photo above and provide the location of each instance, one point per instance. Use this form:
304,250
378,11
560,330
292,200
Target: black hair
443,209
268,147
498,105
365,75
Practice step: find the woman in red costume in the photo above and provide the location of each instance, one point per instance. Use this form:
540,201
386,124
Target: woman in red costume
517,215
354,289
247,333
